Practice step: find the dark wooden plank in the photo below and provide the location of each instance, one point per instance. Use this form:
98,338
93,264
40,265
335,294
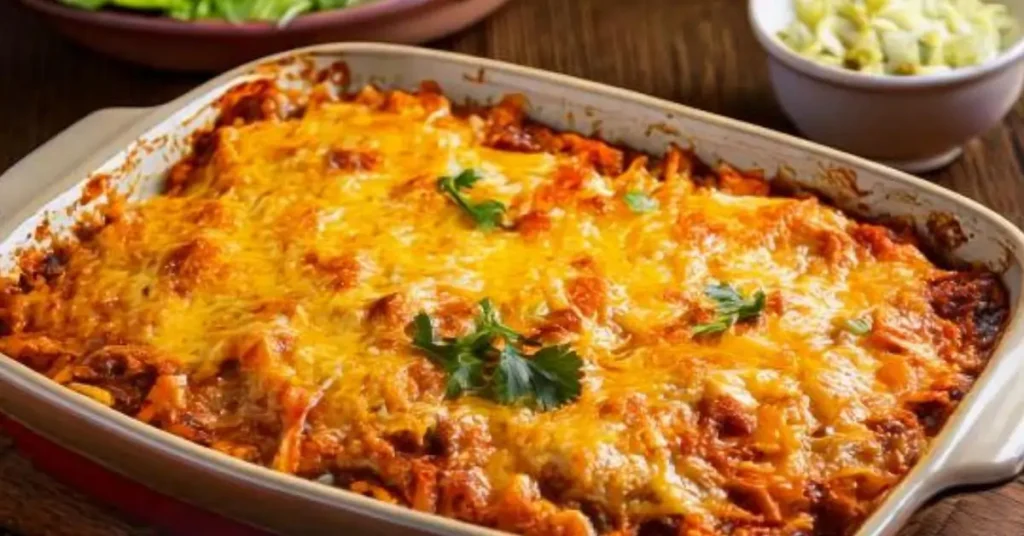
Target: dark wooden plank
697,52
47,83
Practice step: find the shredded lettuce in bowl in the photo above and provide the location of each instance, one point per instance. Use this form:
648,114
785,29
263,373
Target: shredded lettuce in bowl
900,37
236,11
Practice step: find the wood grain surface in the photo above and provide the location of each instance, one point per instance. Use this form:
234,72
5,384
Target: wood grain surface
697,52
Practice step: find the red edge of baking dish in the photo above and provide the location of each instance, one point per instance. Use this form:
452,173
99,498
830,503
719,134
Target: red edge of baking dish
131,498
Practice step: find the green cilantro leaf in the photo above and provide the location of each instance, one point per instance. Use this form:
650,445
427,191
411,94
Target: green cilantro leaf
512,377
466,179
859,326
729,302
474,365
486,214
639,202
490,321
556,376
464,369
731,308
423,337
721,325
465,374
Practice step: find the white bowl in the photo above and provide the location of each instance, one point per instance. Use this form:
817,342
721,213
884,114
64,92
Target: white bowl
915,123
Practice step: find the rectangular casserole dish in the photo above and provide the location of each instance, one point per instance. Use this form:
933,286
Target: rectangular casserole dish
138,146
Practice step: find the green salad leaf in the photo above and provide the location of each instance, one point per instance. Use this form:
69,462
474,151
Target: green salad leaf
235,11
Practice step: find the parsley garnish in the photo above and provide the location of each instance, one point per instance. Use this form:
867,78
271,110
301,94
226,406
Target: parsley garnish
491,322
486,214
640,202
556,376
513,377
546,380
731,308
859,326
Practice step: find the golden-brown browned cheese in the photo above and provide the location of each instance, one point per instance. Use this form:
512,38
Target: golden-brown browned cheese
261,307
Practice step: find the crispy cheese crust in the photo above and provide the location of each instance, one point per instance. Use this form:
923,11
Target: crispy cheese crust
260,307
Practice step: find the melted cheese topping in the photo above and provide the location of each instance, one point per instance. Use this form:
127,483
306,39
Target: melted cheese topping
260,308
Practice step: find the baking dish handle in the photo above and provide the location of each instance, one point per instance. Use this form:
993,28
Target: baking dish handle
992,448
64,152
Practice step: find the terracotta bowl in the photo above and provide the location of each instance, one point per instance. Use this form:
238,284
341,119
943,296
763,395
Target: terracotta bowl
165,43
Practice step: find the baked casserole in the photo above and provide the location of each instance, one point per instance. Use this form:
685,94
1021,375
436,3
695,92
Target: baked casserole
458,310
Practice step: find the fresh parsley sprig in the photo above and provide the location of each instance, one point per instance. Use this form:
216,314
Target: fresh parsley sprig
486,214
490,321
546,380
458,359
731,308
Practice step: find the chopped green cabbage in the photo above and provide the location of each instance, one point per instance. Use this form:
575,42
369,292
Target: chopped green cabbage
900,37
280,11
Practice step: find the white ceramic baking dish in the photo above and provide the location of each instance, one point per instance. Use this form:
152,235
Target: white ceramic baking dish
983,442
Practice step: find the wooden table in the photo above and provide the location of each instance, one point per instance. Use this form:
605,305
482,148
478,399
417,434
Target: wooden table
697,52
